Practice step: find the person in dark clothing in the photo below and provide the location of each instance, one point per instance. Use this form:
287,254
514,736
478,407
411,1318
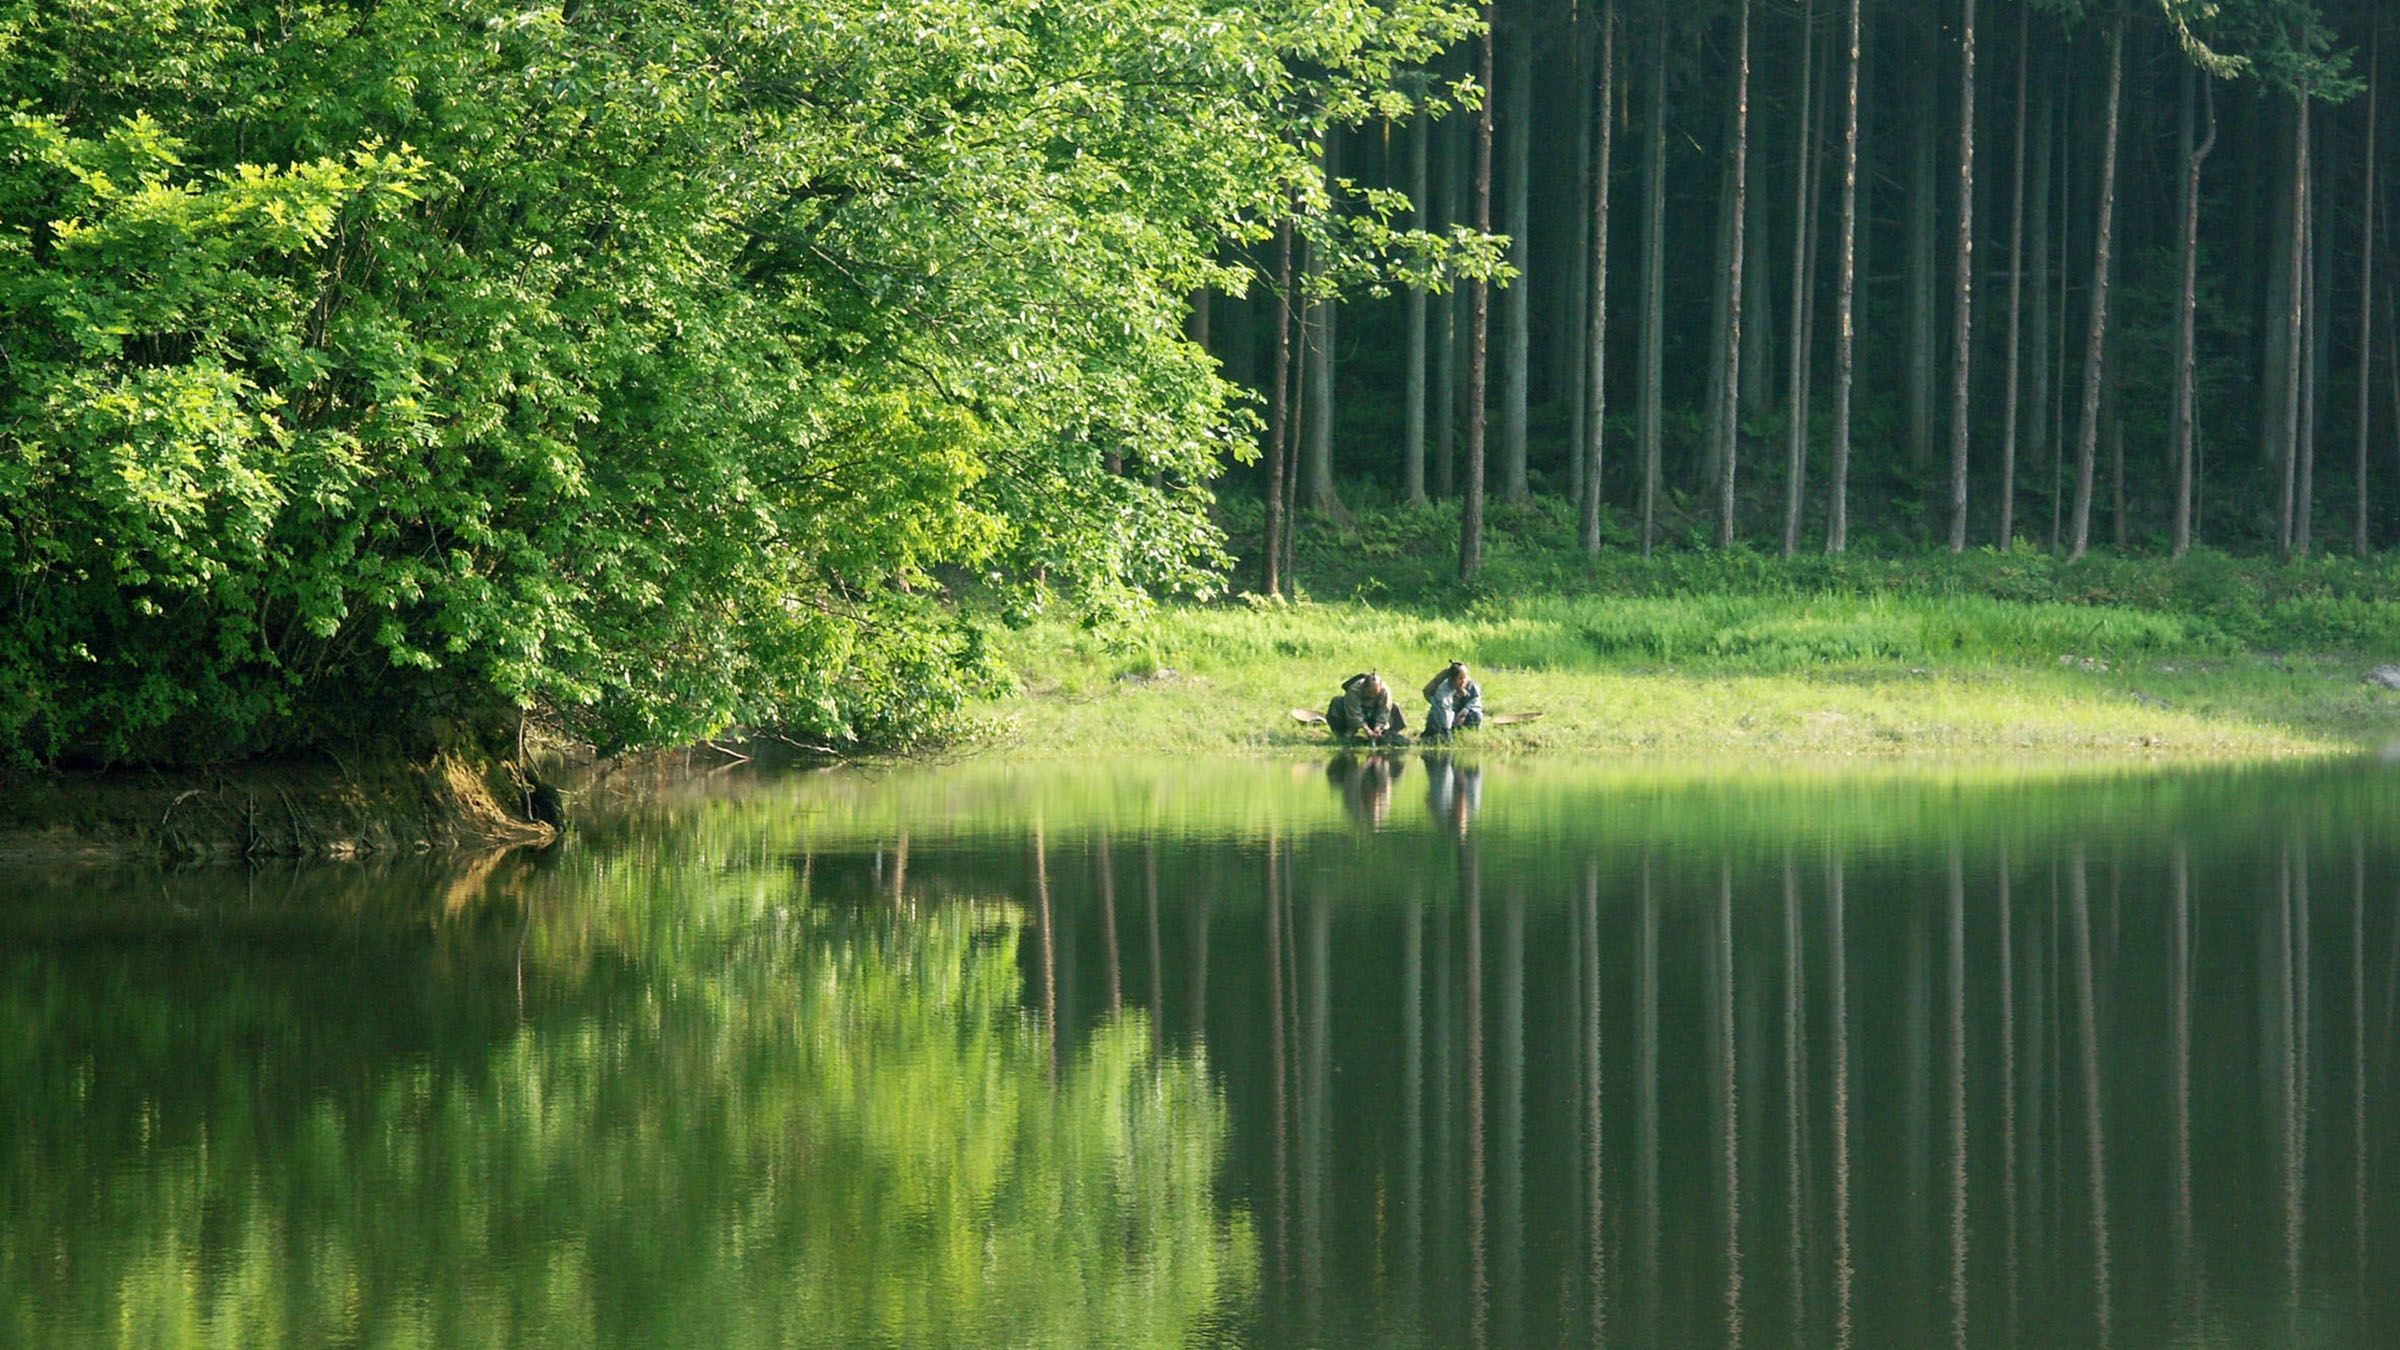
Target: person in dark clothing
1453,700
1365,712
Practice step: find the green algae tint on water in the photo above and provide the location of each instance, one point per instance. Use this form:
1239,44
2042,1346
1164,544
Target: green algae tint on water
1401,1051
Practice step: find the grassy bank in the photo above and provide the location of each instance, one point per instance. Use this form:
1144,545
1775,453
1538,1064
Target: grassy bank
1694,654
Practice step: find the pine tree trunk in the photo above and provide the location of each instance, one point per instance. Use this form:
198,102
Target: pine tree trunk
1470,534
1795,437
2294,316
1815,243
2312,348
1720,360
1412,445
1837,518
1515,302
1733,330
1654,272
1453,326
2040,448
2104,211
2187,311
1962,364
1575,309
2010,408
1323,334
1279,405
2360,542
1595,373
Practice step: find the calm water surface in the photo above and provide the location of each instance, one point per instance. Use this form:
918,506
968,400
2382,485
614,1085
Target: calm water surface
1401,1051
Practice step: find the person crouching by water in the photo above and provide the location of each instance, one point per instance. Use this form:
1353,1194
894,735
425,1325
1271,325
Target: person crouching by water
1453,700
1366,712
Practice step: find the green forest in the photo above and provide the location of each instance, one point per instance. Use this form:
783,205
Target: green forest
403,366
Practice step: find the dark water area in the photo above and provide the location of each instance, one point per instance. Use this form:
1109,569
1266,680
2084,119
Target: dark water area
1405,1051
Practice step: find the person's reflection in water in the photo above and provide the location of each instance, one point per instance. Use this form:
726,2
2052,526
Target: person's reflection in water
1453,792
1365,783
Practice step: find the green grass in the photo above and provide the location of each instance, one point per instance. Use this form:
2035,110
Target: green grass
1738,655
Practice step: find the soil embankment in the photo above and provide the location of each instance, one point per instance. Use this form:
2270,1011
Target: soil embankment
272,809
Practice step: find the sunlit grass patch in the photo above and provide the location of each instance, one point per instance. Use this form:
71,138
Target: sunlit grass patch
1781,673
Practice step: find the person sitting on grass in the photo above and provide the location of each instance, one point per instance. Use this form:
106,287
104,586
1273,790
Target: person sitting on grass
1365,712
1453,701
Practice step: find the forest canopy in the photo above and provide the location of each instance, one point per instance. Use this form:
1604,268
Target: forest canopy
410,361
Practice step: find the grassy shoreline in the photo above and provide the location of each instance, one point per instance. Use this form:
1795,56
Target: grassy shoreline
1739,656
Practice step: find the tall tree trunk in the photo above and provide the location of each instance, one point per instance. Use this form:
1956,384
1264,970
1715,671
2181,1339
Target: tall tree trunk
2312,349
1733,328
2010,407
1515,356
1962,331
1795,437
2360,543
1279,405
1923,194
1720,358
2104,212
1805,408
1595,374
1412,445
1321,333
1453,326
2187,311
1574,312
2295,314
1837,517
1470,534
1654,272
2042,447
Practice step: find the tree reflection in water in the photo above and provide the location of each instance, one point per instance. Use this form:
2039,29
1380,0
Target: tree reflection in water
1829,1060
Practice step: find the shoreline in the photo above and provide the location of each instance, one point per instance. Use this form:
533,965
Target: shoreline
267,809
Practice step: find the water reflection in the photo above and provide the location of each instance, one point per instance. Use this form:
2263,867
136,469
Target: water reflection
975,1057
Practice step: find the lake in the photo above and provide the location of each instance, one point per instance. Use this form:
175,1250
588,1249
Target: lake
1406,1050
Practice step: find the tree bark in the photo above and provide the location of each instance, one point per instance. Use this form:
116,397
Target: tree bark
1964,318
1837,517
1453,320
2011,410
1795,439
1412,441
1515,357
1733,327
1574,312
1654,272
1470,534
2360,542
2295,314
2312,348
2187,311
1279,405
1595,374
1962,331
1323,333
2087,443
